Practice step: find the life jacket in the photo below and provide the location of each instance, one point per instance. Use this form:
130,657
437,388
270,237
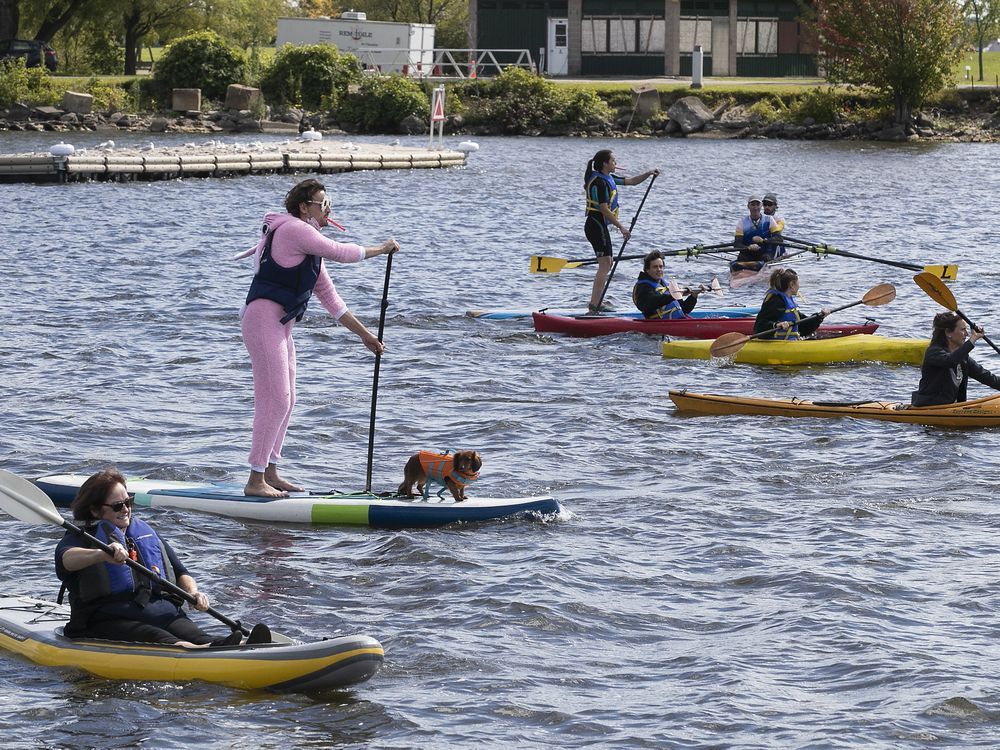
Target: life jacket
670,311
109,581
790,313
439,466
289,287
764,227
593,207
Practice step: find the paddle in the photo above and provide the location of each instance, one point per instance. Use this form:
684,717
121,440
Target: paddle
378,361
946,271
550,264
729,344
714,286
936,289
25,502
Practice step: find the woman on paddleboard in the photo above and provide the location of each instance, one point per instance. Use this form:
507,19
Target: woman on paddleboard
108,599
652,295
601,186
289,269
780,310
947,366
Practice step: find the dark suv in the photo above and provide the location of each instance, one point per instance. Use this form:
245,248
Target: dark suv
34,53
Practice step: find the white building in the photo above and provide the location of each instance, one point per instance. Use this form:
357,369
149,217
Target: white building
406,48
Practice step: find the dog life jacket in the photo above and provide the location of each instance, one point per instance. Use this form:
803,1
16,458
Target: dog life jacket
120,582
790,313
671,311
289,287
440,466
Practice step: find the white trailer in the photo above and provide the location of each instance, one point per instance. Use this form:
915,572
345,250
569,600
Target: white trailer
383,46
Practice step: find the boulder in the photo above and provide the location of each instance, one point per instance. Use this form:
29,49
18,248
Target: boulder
81,104
690,114
47,113
243,97
186,99
158,125
412,125
892,133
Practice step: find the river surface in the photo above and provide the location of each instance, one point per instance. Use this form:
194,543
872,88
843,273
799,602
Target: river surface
723,582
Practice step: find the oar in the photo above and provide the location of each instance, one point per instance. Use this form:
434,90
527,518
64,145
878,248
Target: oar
550,264
729,343
631,226
944,271
938,291
25,502
378,361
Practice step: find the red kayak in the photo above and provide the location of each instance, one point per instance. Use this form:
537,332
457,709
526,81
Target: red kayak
685,328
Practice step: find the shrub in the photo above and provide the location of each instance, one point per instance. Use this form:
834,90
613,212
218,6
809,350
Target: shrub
110,97
19,83
199,61
314,76
585,109
105,56
822,105
521,101
383,101
766,110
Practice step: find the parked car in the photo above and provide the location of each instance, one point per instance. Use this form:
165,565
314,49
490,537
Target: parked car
34,53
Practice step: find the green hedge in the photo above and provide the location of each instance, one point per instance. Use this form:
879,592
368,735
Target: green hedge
314,76
199,61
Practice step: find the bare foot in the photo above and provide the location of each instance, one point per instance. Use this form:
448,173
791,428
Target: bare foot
262,489
272,478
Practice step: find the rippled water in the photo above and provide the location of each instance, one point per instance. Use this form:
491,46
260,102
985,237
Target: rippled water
717,582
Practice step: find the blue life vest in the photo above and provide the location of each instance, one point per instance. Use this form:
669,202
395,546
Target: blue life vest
670,311
593,207
763,228
120,582
790,313
289,287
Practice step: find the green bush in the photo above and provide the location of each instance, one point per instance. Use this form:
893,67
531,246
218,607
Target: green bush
822,105
105,56
586,110
199,61
383,101
314,76
522,102
110,97
19,83
767,109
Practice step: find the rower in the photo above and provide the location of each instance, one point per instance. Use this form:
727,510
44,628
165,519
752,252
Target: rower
770,204
752,232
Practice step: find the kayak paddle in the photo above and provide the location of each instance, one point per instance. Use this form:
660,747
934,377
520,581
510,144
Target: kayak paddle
943,271
25,502
550,264
729,344
938,291
713,286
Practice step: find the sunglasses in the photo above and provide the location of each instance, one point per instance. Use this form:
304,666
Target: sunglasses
324,205
117,507
770,203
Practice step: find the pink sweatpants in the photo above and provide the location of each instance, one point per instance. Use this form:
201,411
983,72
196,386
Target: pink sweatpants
272,354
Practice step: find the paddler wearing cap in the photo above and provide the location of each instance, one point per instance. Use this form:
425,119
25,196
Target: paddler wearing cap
752,232
770,203
288,270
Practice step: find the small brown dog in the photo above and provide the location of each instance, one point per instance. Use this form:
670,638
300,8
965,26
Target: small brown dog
454,471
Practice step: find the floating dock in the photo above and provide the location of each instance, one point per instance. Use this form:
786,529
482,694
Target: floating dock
216,159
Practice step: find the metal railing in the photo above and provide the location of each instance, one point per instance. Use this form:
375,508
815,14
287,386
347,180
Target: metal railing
443,63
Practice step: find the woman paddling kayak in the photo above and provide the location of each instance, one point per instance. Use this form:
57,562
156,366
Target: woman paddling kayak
947,366
110,601
780,310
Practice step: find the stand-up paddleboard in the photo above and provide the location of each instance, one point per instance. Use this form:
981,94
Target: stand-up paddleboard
358,509
34,629
718,312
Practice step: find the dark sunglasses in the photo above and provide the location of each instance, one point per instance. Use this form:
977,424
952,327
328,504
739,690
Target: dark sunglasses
117,507
770,203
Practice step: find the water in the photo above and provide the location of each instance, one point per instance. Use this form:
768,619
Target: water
716,582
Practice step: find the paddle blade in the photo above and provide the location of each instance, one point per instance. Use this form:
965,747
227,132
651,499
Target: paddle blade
675,290
716,287
728,344
546,264
949,272
25,502
937,290
879,295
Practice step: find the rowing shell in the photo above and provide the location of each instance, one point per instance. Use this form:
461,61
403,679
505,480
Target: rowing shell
982,412
359,509
34,629
691,328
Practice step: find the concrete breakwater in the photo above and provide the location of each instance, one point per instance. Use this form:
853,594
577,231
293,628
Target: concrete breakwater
215,159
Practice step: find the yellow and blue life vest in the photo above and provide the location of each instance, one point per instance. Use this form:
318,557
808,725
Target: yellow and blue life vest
789,313
670,311
764,227
593,205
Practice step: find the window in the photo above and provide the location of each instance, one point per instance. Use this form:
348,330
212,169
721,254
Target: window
622,36
651,33
757,36
595,35
696,31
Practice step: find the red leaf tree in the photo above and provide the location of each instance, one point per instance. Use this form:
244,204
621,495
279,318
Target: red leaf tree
905,49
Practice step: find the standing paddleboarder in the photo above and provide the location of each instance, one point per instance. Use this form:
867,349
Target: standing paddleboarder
289,268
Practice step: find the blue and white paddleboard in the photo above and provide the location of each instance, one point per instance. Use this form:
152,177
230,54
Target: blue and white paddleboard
359,509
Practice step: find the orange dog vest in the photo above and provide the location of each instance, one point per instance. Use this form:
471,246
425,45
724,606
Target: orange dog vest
440,466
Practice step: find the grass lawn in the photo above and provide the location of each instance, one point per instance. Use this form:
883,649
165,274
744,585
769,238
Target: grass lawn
991,69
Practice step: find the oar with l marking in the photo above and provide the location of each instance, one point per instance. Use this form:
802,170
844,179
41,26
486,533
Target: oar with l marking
935,289
25,502
550,264
729,344
944,271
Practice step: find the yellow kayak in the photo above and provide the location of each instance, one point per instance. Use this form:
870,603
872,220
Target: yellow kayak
33,629
859,348
983,412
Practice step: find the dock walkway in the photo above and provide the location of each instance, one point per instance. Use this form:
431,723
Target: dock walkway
217,159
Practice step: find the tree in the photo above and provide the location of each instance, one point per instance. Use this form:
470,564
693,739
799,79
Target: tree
984,16
905,49
10,18
140,17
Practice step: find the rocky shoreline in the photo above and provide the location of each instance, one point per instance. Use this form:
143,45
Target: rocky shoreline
687,117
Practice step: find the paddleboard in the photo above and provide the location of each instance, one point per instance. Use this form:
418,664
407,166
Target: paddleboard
719,312
358,509
34,629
